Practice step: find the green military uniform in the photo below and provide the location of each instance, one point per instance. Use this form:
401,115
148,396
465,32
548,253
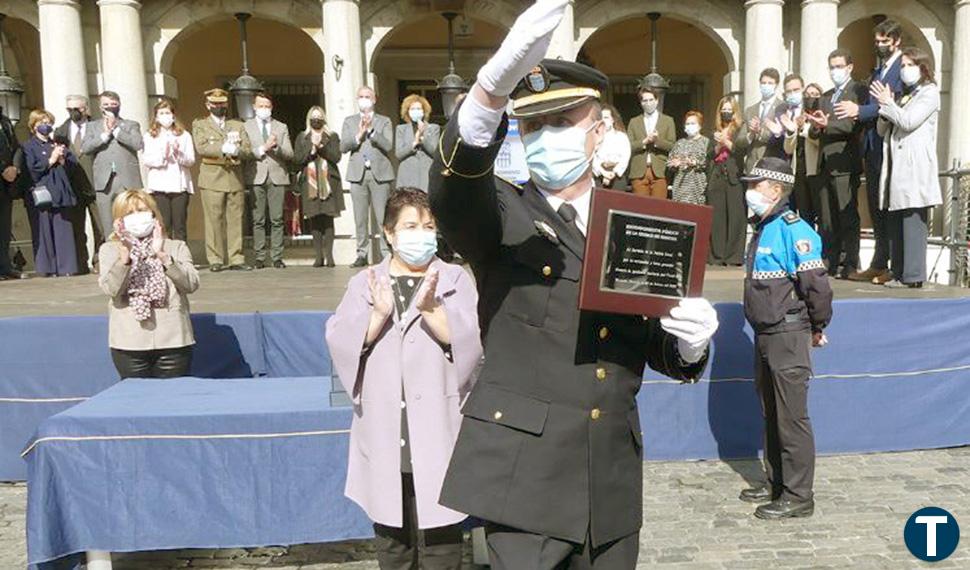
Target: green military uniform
221,184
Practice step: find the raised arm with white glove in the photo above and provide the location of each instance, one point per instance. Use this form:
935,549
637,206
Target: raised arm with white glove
524,47
693,321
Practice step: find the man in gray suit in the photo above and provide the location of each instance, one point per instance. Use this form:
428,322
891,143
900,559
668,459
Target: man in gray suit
267,175
755,134
114,143
369,138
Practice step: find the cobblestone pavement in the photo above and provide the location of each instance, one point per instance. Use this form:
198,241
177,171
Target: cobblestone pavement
692,520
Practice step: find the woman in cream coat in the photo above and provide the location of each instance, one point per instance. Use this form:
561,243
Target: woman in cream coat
910,184
148,278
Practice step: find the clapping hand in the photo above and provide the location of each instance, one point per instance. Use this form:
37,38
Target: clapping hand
819,119
881,92
270,143
316,139
788,123
846,110
382,300
774,127
426,300
10,173
754,124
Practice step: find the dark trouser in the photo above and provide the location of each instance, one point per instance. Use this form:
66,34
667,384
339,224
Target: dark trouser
161,363
806,196
53,236
268,195
321,227
907,232
366,194
512,549
783,368
839,219
730,220
6,225
174,207
412,548
880,257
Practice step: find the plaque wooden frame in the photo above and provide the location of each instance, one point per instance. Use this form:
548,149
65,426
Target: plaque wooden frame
605,203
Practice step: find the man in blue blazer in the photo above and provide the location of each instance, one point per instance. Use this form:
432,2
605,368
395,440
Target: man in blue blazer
888,35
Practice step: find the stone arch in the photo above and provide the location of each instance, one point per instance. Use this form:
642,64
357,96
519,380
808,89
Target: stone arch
912,14
725,28
378,23
25,10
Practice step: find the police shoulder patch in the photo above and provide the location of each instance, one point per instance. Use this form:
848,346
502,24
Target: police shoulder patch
803,246
791,217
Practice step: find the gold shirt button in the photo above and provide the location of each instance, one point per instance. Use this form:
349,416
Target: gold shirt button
498,415
547,271
595,413
604,332
601,374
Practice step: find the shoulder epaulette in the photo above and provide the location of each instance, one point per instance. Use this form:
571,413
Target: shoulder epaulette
791,218
515,185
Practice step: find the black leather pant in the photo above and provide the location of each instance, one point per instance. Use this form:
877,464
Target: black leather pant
162,363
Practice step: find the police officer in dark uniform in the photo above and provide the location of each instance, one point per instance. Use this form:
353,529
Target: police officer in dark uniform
788,302
550,448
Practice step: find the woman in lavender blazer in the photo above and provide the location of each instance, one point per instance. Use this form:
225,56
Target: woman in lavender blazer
406,344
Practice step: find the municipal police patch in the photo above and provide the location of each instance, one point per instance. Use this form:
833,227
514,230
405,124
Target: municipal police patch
803,246
791,217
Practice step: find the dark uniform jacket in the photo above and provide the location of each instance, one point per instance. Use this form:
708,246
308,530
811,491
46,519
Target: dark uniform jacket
82,172
841,141
550,441
10,155
785,285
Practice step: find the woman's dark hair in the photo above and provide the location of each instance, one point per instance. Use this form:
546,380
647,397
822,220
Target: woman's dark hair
402,198
154,127
923,61
617,119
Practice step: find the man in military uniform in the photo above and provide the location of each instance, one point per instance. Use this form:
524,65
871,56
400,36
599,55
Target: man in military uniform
550,449
788,302
223,145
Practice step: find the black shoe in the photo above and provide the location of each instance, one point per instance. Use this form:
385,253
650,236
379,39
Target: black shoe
240,267
760,494
845,272
360,262
258,264
785,509
278,264
318,263
217,267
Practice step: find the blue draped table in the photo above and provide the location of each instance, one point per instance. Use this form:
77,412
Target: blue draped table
190,463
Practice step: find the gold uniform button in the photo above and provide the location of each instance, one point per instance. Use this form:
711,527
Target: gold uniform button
595,413
604,332
498,415
601,374
547,271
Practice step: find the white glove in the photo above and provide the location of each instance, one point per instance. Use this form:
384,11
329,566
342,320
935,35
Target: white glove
229,149
693,322
523,47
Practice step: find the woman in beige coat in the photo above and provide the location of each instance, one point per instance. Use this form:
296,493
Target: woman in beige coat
148,278
910,184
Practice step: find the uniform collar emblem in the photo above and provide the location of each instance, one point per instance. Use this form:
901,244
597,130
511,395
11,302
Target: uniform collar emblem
546,231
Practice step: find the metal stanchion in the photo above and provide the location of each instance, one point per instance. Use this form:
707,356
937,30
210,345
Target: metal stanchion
956,239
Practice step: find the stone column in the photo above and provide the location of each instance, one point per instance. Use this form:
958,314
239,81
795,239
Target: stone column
819,36
343,59
764,44
959,130
563,45
122,57
61,54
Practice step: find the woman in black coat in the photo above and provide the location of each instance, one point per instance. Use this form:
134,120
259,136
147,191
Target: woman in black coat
725,192
49,164
316,153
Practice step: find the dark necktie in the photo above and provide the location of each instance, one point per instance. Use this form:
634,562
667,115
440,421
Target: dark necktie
568,213
265,130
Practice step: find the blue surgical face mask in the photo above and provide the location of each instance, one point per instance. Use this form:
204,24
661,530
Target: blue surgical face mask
839,75
758,202
417,115
557,155
415,247
767,91
794,99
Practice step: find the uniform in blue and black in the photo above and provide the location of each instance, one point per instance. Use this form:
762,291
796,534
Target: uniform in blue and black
787,297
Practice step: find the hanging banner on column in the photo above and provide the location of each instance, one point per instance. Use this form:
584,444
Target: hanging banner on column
510,162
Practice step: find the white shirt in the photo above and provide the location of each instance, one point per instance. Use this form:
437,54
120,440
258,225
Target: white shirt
165,173
77,131
581,204
614,148
650,121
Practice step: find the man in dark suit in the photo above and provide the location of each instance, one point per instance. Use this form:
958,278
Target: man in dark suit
888,35
10,161
550,449
71,133
840,168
